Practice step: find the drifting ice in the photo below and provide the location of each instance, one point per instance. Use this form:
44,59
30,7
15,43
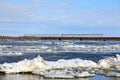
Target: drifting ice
62,68
11,53
110,62
23,66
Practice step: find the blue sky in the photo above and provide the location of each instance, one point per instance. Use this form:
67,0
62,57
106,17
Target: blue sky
19,17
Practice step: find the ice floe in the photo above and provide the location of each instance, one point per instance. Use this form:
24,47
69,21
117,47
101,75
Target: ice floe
110,62
11,53
58,74
72,68
71,63
23,66
65,47
83,74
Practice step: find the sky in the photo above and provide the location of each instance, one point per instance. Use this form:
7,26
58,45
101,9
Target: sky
19,17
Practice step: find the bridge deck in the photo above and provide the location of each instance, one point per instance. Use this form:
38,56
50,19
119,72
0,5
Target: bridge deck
82,38
60,38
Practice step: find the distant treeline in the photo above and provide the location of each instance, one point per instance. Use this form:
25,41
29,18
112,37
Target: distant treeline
19,38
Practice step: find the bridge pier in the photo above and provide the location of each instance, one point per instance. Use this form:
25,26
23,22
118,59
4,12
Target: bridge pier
104,39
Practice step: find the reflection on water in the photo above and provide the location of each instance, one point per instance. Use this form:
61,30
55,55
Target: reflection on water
36,77
29,77
19,77
103,78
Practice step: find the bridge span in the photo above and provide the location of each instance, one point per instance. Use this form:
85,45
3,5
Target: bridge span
83,37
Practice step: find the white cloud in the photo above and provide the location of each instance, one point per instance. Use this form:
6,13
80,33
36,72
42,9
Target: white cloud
38,1
58,15
95,18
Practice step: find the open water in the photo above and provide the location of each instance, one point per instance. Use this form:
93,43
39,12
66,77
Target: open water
55,50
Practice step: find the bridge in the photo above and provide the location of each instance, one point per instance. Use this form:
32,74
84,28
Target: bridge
81,37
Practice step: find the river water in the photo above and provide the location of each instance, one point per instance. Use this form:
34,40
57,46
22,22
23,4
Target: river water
55,50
